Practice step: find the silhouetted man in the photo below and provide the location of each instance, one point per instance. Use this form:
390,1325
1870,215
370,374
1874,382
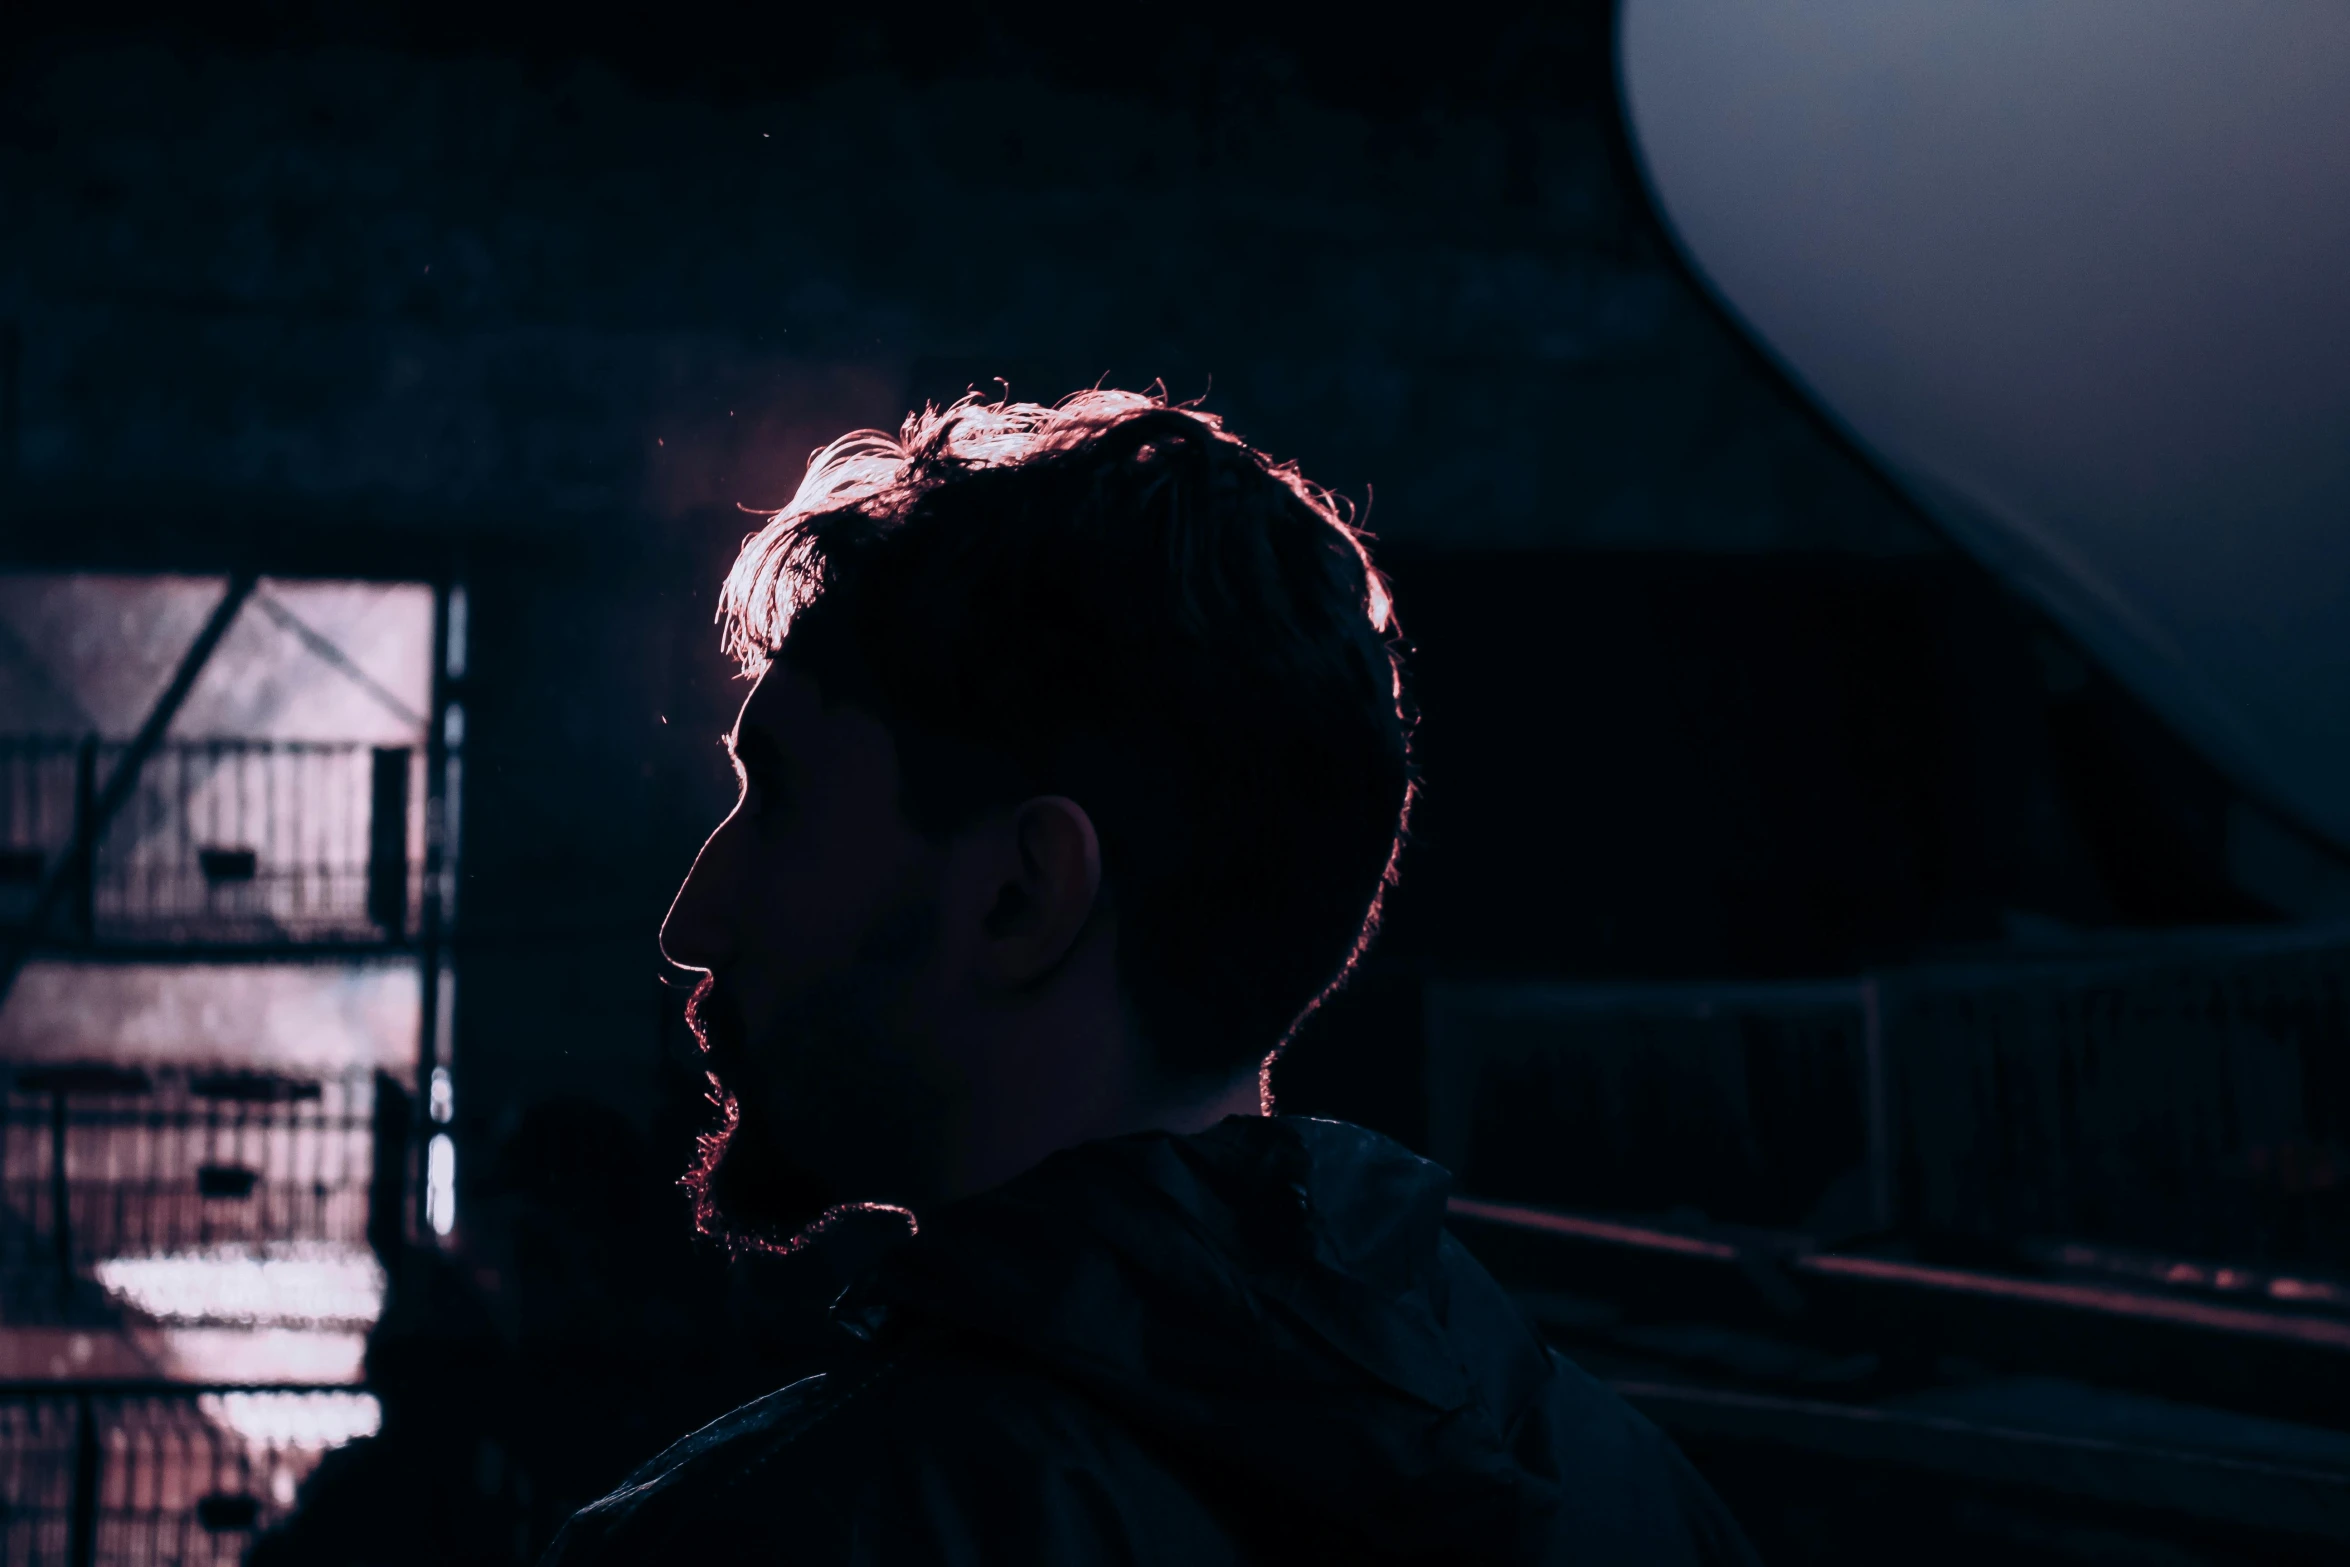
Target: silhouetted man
1074,774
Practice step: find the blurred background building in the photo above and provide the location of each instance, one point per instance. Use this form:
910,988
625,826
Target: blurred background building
1863,1025
227,873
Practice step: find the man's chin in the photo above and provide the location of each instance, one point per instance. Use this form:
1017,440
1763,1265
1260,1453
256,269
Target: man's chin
748,1192
864,1228
752,1200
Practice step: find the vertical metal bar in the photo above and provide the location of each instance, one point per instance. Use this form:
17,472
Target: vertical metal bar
1878,1087
60,1200
387,841
299,828
428,946
81,1529
349,844
240,775
124,1146
392,1125
1451,1079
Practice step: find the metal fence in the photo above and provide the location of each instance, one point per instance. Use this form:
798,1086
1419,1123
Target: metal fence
1751,1104
2193,1097
103,1161
229,841
2186,1098
159,1477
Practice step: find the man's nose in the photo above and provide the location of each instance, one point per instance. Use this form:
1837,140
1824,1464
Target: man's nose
694,935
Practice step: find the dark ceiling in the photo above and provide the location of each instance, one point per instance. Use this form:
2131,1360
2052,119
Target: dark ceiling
1493,55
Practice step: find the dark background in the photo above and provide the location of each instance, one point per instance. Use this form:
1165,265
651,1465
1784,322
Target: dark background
539,301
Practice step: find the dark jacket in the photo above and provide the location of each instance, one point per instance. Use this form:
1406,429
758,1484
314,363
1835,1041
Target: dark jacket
1256,1344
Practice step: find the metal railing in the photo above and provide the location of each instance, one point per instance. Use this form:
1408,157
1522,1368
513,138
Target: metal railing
2188,1097
1757,1104
229,841
101,1162
160,1477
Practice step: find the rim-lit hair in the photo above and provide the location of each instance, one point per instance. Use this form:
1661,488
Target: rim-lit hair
879,475
1115,599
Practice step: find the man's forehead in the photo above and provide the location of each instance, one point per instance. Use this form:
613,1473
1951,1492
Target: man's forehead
785,703
787,710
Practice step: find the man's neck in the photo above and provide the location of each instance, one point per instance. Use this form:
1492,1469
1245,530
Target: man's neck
1185,1115
1066,1110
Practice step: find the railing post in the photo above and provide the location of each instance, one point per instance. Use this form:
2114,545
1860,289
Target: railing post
387,1189
387,841
60,1200
81,1528
447,669
1877,1084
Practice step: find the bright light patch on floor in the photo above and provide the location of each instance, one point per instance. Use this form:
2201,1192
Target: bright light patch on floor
440,1184
304,1285
303,1420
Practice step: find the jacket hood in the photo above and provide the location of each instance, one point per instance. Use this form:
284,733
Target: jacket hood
1275,1296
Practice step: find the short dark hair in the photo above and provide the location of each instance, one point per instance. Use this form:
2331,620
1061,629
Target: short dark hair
1116,600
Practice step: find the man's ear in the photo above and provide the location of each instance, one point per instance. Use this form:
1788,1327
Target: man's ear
1041,908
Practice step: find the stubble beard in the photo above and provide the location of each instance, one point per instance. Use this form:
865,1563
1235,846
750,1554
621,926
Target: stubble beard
752,1189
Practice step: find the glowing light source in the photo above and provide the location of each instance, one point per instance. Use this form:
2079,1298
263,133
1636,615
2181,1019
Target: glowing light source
301,1285
443,1097
440,1184
307,1420
261,1357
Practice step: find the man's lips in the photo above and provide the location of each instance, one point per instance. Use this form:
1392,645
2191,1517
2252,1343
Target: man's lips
717,1024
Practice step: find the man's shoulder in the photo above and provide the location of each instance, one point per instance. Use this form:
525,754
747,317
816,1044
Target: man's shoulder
935,1455
687,1477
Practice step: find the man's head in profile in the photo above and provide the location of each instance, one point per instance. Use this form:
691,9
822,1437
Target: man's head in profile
1071,782
1074,771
